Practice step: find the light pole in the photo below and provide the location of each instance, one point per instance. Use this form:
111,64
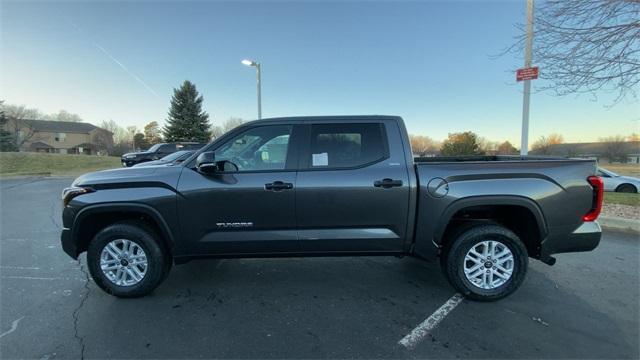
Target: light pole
258,80
524,141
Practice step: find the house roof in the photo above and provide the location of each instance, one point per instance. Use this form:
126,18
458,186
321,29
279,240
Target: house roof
61,126
40,145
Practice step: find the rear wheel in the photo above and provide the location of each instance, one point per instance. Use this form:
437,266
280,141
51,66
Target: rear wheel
626,188
486,262
127,260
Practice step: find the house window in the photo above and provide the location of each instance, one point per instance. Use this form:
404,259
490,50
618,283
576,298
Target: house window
60,137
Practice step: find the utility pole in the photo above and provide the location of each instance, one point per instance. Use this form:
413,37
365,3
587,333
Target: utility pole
524,142
259,81
256,65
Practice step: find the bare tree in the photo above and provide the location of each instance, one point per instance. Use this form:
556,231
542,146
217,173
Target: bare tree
17,129
62,115
543,145
423,145
614,148
103,141
120,135
584,46
488,146
231,123
216,132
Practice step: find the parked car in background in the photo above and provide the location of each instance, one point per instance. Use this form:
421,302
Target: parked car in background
171,159
157,152
618,183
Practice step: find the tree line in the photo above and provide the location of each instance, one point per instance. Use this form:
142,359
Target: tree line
469,143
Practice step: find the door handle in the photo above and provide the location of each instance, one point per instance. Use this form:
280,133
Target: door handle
278,185
387,183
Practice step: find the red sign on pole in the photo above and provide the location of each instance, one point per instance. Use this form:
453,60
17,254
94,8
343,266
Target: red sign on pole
527,73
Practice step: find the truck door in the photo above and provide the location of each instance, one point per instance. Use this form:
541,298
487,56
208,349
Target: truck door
248,211
352,192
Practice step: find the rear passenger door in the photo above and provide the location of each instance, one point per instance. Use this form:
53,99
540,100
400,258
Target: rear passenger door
352,192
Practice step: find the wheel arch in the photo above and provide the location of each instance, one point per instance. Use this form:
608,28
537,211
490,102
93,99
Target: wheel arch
626,184
93,218
519,214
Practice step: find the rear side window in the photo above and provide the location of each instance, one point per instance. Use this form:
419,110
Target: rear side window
338,146
167,148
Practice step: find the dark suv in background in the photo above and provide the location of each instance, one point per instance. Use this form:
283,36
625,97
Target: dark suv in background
157,151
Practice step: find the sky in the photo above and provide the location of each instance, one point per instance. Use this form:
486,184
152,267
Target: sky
430,62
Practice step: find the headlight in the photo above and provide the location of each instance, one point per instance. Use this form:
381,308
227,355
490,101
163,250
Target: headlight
130,157
69,193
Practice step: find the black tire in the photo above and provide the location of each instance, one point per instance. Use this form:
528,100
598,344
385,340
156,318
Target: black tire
158,259
453,261
626,188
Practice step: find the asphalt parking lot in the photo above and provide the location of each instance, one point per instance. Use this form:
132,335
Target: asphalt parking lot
586,306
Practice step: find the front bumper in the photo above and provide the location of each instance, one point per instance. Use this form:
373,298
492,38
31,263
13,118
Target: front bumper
128,162
585,238
66,237
68,245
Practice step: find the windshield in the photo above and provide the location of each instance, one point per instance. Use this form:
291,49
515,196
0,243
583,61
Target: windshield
154,147
607,172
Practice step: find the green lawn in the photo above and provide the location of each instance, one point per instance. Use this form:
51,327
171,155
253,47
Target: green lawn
12,164
628,169
622,198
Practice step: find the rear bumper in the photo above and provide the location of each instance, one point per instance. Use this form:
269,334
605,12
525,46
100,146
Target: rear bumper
585,238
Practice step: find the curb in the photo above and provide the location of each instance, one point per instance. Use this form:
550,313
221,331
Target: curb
618,223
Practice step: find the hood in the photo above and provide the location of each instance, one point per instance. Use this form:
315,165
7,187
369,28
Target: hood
121,176
146,152
152,163
630,179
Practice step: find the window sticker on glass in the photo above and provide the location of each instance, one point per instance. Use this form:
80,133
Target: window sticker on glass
321,159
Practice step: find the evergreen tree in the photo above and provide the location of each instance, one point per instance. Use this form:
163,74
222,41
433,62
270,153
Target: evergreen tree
6,138
187,121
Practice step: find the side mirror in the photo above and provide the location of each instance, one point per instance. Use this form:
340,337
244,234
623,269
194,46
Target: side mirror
206,162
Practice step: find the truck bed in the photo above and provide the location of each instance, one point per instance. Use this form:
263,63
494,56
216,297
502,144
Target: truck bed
485,158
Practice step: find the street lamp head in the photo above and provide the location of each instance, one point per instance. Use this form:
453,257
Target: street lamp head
249,62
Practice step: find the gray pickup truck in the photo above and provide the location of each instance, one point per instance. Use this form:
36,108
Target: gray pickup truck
332,186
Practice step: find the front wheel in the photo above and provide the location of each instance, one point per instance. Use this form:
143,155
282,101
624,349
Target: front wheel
486,262
127,260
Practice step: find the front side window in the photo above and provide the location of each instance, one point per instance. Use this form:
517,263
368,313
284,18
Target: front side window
260,148
346,145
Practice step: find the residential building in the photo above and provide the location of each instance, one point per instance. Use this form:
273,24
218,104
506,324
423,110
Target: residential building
62,137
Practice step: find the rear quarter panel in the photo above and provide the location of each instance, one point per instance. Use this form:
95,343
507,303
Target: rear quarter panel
556,189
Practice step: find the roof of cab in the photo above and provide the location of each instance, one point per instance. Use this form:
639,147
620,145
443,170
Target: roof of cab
330,118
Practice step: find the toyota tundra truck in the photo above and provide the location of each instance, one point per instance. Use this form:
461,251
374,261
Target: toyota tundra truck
332,186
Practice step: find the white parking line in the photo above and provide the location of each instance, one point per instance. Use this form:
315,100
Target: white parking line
417,334
20,267
14,326
39,278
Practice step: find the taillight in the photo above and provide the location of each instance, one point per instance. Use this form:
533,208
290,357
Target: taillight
596,204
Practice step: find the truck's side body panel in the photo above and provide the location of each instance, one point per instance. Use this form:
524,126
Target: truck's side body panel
556,192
